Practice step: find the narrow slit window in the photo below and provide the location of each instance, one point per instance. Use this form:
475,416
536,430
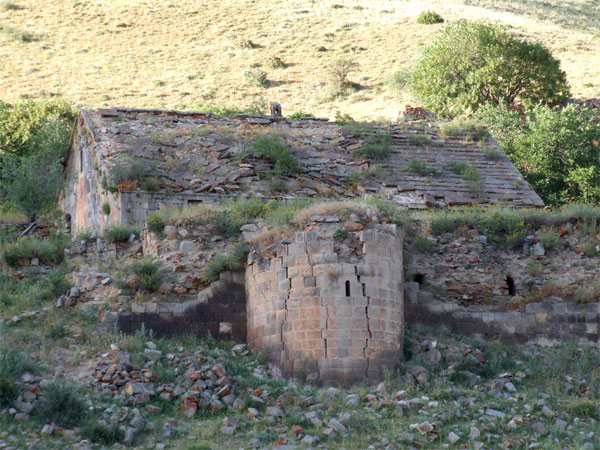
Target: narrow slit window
81,160
419,278
510,283
347,288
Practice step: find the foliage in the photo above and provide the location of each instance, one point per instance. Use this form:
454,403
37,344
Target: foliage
491,152
103,433
130,168
419,139
21,122
48,251
31,292
425,245
148,276
340,235
397,81
229,111
119,233
468,173
421,168
156,221
12,364
105,208
470,64
273,147
466,128
232,260
299,114
374,172
586,294
275,62
62,404
585,409
150,184
339,70
32,180
376,143
429,18
556,149
256,78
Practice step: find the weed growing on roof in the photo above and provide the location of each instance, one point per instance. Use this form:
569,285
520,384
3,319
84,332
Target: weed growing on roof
273,148
419,139
421,168
129,168
466,128
376,142
429,18
468,173
491,152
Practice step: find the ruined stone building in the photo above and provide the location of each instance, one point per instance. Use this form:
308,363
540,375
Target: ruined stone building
309,305
191,157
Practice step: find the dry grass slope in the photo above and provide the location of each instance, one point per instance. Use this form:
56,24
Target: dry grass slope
150,53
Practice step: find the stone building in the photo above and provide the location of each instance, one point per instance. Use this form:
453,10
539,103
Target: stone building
125,163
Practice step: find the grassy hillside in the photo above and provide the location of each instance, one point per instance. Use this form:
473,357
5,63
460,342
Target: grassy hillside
150,53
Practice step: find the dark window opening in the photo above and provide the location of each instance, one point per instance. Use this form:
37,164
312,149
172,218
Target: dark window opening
419,278
512,291
81,160
194,202
347,288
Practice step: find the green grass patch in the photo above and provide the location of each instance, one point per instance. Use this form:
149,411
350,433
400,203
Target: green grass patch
273,148
48,251
421,168
119,233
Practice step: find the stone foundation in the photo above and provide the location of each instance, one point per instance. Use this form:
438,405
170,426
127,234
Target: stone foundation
311,312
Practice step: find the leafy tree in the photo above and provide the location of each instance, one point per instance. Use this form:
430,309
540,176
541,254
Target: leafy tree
19,123
32,182
556,149
472,64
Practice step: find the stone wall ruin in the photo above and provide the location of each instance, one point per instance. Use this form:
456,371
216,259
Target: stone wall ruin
332,316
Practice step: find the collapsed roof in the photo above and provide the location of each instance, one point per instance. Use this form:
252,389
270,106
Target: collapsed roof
201,152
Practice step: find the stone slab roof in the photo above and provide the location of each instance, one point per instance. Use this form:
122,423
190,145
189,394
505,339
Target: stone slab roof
202,152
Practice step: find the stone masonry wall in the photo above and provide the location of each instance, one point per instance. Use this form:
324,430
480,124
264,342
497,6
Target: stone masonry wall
219,310
311,313
549,322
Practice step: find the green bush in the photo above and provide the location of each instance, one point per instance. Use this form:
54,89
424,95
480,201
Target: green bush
398,81
556,149
421,168
103,433
119,233
150,184
48,251
105,208
429,18
274,148
62,404
586,409
425,245
468,173
340,235
148,275
256,78
12,365
129,168
232,260
19,123
229,111
339,70
374,172
299,114
466,128
419,139
156,222
470,64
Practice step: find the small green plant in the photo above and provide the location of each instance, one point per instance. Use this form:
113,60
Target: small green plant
421,168
587,294
12,364
340,235
160,137
465,128
429,18
588,249
492,153
549,238
156,222
468,173
129,168
148,275
256,78
273,147
119,233
62,404
233,260
419,139
277,186
586,409
299,114
105,208
103,433
374,172
150,184
534,268
425,245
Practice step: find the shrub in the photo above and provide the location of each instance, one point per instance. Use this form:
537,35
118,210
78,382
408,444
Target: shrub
156,222
375,147
148,275
12,365
419,139
62,405
469,64
492,152
229,111
425,245
105,208
274,148
275,62
468,173
150,184
374,172
586,294
429,18
465,128
233,260
48,251
585,409
340,235
119,233
256,78
338,75
588,249
398,81
103,433
556,149
421,168
129,168
299,114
